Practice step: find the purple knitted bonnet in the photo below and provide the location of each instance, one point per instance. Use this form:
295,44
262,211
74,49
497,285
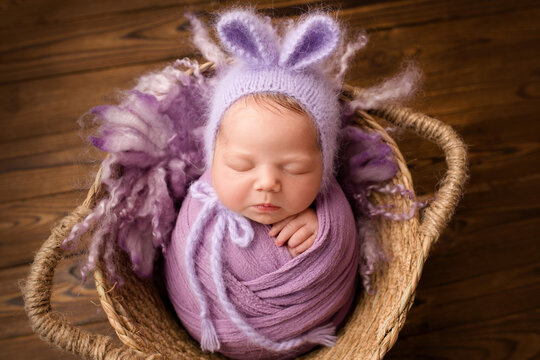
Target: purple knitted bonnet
289,67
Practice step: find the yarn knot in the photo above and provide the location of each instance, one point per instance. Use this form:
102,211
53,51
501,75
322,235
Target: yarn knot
241,234
239,228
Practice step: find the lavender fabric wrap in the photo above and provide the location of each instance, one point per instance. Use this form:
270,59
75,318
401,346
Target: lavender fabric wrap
286,301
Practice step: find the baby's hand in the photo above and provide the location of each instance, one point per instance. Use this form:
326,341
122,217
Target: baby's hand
298,231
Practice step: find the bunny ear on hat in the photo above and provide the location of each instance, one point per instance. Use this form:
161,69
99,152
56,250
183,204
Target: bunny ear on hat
249,37
310,42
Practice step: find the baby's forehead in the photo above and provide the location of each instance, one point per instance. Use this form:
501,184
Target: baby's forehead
249,123
279,105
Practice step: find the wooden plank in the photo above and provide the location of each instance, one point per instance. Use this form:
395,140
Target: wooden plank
492,288
25,184
84,154
93,43
41,13
31,347
487,251
79,303
52,106
474,286
382,13
24,225
512,337
30,146
462,67
159,33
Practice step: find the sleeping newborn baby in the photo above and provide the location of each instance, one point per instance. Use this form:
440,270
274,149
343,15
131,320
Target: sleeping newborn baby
267,167
264,256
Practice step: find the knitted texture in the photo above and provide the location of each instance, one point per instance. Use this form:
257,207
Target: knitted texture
293,70
154,330
153,135
239,294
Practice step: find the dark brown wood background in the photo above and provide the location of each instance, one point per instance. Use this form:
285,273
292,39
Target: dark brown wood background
479,296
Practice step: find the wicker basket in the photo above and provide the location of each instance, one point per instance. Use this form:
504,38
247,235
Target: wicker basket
149,329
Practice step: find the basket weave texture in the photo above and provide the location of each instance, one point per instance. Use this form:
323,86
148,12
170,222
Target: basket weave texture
149,329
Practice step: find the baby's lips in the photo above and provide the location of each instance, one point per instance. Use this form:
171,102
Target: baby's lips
267,207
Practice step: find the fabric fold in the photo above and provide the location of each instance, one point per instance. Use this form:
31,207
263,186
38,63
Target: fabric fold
258,298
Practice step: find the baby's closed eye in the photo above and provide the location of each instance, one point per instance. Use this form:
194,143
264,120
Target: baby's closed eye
239,164
298,168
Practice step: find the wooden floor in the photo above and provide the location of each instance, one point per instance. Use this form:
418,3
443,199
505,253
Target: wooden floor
479,297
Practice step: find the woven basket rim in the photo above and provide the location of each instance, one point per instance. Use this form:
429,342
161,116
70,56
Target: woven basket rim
124,323
131,334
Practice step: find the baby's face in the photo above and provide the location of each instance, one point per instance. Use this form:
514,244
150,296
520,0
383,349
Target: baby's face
267,163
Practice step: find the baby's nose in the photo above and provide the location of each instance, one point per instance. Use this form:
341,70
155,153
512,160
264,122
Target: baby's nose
268,180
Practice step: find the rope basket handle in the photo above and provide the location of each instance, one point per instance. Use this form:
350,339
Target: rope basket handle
450,190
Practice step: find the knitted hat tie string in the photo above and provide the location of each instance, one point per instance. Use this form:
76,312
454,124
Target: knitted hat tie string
241,234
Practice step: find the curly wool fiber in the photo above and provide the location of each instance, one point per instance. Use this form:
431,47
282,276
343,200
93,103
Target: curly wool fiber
153,138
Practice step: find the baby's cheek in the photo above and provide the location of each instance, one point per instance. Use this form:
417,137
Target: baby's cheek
232,200
231,191
301,195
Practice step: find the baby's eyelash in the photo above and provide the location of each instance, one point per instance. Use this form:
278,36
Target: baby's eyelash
240,167
296,170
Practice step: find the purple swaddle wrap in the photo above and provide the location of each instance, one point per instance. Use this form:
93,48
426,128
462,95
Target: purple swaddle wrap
275,306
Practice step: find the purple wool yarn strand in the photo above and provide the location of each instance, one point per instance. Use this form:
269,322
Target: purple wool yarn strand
159,125
267,307
229,223
160,141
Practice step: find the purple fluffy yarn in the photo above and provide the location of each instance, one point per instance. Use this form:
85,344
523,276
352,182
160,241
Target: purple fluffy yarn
152,138
367,165
370,161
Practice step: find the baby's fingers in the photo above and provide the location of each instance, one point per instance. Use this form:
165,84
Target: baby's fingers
300,236
277,227
304,245
288,230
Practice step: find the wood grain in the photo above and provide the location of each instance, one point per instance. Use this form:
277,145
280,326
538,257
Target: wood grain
78,302
479,296
25,224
